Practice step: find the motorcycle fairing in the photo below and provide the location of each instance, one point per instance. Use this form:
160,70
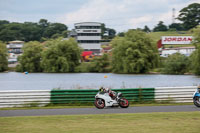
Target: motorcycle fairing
196,94
108,100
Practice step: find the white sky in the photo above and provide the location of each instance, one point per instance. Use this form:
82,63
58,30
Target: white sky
118,14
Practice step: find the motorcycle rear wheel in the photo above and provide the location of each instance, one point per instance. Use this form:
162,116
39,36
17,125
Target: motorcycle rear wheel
123,103
99,103
196,101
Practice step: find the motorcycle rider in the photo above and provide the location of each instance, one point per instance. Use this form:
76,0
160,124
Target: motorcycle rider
111,93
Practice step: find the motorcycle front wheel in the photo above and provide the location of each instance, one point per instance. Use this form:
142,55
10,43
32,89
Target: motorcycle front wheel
123,103
99,103
196,101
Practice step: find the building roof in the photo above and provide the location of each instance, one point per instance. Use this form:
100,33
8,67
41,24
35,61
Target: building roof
88,23
85,53
16,41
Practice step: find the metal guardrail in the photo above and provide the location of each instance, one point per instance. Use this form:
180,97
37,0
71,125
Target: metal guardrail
175,94
88,96
19,98
15,98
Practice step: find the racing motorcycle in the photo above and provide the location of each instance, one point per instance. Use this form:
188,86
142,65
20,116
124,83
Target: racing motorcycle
104,100
196,97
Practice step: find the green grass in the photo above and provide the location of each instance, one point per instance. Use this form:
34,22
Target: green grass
175,122
157,35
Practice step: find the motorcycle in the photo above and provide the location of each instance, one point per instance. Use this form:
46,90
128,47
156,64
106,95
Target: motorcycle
196,97
104,100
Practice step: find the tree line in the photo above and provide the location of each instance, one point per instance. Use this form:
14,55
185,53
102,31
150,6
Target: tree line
40,31
134,53
29,31
52,56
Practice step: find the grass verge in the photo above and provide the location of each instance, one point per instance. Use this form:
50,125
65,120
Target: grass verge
157,35
173,122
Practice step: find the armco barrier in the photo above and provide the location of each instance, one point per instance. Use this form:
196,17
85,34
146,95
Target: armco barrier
88,96
43,97
17,98
175,94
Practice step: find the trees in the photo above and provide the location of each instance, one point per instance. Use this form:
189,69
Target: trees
176,64
53,29
11,31
30,60
3,57
61,56
4,22
176,26
195,57
107,33
195,61
100,64
121,34
146,29
103,29
134,53
53,56
160,27
29,31
111,33
43,23
190,16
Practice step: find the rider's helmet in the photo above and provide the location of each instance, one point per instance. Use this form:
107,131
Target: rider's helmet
101,89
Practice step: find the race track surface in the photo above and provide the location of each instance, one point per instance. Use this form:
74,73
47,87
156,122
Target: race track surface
81,111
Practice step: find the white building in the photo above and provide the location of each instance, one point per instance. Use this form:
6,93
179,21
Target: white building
14,50
182,50
89,36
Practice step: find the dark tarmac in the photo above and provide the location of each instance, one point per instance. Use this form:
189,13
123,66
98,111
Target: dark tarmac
82,111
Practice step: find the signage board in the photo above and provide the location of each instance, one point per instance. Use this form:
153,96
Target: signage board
88,30
176,39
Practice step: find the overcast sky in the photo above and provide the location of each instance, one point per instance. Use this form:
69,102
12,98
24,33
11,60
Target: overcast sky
118,14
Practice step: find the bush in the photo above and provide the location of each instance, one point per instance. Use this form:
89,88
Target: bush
195,56
3,57
100,64
176,64
83,67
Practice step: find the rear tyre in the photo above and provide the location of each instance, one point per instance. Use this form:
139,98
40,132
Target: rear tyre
196,101
99,103
123,103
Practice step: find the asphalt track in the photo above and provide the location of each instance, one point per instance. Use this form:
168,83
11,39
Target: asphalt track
82,111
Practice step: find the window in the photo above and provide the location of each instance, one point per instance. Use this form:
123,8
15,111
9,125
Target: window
88,41
88,34
88,27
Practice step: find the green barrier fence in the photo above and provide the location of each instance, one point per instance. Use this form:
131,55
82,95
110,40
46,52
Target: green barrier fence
88,96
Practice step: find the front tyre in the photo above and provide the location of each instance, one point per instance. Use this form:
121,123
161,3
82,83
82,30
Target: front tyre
99,103
123,103
196,101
